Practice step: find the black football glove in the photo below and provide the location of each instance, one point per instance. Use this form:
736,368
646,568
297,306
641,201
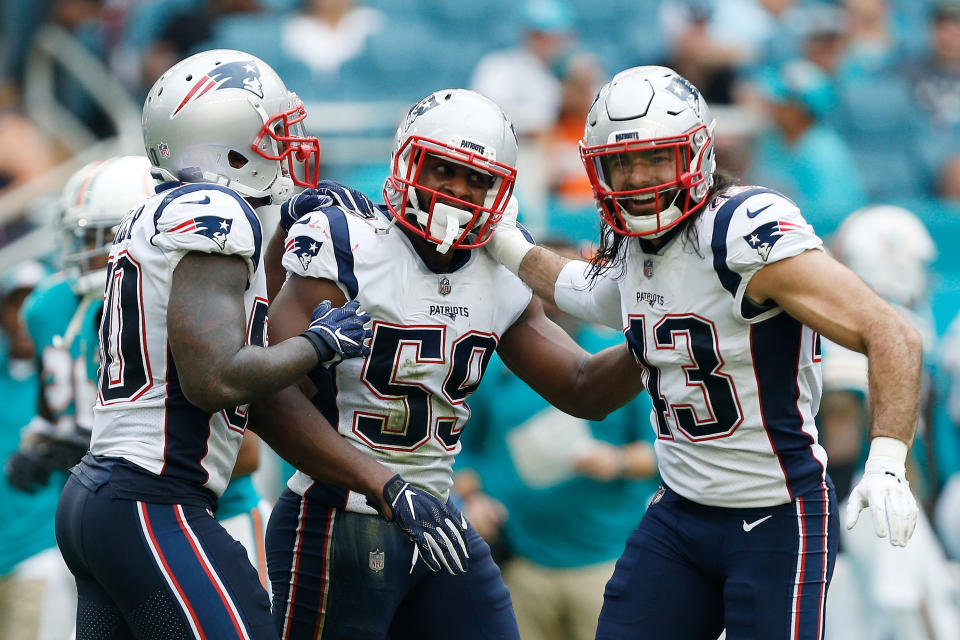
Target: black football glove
27,472
434,527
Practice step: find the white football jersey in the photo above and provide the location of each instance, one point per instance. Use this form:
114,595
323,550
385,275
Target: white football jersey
735,387
433,336
141,413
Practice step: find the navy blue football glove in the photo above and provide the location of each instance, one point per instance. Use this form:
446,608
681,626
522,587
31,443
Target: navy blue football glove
435,528
338,333
327,193
300,205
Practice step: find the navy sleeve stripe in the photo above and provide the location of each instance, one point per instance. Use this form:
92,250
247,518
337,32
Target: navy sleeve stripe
247,211
340,233
729,279
526,234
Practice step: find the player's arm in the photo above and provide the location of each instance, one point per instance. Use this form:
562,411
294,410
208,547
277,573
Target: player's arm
248,458
571,379
829,298
207,328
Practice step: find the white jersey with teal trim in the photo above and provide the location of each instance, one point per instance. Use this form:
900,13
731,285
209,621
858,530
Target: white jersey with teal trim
142,414
735,387
433,336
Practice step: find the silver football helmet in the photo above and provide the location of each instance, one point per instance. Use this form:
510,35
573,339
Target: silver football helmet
891,249
225,117
648,150
468,129
93,202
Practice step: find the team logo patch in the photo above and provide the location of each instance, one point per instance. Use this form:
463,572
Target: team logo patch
164,150
688,93
766,235
657,496
648,268
305,248
213,227
233,75
444,289
421,108
377,560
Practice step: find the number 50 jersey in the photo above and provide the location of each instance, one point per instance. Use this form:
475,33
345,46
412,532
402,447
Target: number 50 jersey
433,336
142,414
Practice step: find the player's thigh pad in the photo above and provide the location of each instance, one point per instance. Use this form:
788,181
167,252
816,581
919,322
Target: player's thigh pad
171,570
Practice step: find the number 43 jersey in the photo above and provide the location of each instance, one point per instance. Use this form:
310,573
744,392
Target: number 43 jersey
734,386
433,336
142,414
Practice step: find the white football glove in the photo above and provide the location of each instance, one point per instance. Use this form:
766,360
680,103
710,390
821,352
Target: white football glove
508,245
885,489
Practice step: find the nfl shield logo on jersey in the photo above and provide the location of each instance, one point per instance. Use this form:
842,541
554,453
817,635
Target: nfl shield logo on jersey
445,287
648,268
377,560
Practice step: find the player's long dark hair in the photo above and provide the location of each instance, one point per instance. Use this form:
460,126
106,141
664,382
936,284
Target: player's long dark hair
612,250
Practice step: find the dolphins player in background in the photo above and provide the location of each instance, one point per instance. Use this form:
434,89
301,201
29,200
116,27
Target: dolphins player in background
441,309
722,292
183,350
880,591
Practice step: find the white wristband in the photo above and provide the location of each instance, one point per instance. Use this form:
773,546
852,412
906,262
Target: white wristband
890,448
509,248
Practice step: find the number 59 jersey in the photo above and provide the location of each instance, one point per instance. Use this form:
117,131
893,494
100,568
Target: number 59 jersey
142,414
734,386
433,336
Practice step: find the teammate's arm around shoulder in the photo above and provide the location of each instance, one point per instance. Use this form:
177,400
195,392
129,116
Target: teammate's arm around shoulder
829,298
207,327
584,385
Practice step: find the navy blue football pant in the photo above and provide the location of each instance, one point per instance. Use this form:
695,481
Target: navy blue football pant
156,571
690,570
339,575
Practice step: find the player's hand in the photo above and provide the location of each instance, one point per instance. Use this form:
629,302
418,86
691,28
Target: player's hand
508,245
26,472
884,488
300,205
435,528
338,333
345,197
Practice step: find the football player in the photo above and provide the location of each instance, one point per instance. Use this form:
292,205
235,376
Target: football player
906,591
183,349
722,292
442,308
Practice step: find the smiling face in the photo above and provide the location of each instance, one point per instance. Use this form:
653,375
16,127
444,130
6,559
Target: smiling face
643,171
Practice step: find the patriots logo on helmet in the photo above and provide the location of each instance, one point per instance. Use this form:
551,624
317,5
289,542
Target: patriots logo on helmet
421,108
233,75
305,248
213,227
766,235
688,93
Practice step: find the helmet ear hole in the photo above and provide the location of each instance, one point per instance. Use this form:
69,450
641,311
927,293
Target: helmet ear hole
236,159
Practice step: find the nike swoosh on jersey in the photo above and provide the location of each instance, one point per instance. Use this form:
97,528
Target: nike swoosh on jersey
206,200
750,526
754,214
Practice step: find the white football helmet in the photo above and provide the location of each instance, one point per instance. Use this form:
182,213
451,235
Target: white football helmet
648,115
224,116
469,129
891,249
94,201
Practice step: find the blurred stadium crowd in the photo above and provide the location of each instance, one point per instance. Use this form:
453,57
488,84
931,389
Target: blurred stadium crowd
839,105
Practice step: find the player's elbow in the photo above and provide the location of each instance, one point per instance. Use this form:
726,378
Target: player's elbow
210,394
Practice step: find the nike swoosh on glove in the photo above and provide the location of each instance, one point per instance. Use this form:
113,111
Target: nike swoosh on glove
338,333
327,193
884,488
434,527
